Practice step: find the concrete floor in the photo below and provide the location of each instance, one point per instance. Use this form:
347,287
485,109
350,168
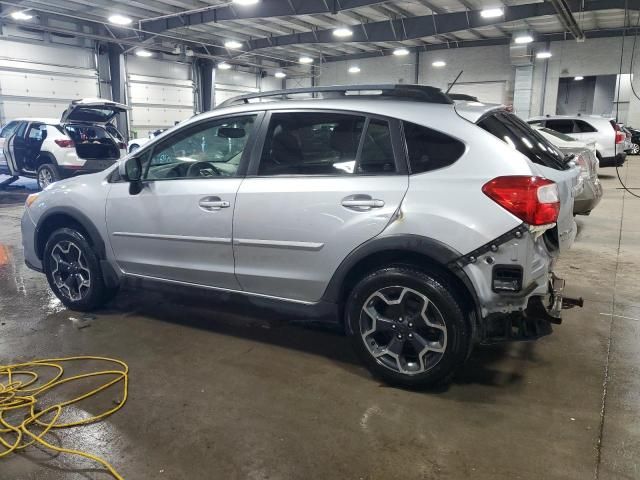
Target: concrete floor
215,394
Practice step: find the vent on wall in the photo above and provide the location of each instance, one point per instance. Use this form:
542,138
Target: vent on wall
520,55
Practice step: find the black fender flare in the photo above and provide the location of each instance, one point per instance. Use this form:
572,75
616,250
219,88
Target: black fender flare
78,217
435,251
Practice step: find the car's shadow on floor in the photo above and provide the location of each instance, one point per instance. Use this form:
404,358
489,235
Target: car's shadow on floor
236,316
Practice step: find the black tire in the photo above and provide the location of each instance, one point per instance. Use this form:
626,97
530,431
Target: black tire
47,174
455,341
89,297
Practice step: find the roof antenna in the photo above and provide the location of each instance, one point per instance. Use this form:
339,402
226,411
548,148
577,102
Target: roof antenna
454,82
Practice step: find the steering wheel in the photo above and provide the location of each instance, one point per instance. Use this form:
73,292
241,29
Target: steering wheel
203,169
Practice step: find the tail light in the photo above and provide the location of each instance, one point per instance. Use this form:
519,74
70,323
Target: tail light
534,200
122,146
620,137
64,143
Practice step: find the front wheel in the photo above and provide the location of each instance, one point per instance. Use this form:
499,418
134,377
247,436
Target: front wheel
407,327
73,271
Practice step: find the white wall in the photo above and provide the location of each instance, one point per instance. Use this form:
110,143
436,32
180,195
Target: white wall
388,69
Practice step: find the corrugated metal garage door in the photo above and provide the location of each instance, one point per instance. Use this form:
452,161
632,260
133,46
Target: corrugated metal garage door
489,92
39,80
160,94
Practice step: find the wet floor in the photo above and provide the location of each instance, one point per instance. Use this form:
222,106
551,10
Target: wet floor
225,390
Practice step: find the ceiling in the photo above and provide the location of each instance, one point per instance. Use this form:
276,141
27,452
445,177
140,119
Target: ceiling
281,31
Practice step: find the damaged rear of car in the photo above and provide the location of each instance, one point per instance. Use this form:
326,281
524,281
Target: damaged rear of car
524,297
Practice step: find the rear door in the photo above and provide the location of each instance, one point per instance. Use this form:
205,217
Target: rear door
321,183
548,159
15,149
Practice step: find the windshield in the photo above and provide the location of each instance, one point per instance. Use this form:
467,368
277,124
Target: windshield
517,133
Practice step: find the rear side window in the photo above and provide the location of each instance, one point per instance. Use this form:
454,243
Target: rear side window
584,127
510,129
8,129
429,150
562,126
314,143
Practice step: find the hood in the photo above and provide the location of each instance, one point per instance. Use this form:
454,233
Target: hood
92,110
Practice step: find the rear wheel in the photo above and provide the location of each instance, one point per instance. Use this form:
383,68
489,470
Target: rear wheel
47,174
73,271
407,327
635,149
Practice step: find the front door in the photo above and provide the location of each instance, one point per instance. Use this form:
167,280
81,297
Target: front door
179,227
324,183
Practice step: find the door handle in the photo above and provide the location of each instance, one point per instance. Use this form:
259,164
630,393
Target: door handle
213,203
361,203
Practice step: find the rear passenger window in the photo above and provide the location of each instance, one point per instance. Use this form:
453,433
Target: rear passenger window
584,127
316,143
377,149
428,149
562,126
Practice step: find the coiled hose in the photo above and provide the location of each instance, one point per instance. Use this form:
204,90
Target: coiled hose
23,406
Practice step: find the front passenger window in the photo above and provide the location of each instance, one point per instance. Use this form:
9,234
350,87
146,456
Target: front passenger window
211,149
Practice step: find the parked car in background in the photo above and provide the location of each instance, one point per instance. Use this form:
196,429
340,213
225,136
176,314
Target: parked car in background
136,143
606,134
390,213
635,140
79,142
584,155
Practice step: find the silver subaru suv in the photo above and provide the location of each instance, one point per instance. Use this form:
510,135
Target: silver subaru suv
385,209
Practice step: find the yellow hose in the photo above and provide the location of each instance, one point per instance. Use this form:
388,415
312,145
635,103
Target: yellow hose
22,399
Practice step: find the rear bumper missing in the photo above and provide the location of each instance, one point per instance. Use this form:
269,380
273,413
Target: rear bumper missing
535,321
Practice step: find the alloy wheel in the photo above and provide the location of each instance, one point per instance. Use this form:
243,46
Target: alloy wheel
69,270
635,149
403,330
45,178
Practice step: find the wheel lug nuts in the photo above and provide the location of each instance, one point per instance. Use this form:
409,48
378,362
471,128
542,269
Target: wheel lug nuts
410,335
399,336
400,319
410,325
393,327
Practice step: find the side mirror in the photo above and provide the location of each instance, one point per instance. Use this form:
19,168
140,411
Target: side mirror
131,170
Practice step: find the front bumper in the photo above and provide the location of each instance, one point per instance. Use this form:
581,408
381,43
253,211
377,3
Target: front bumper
616,161
28,228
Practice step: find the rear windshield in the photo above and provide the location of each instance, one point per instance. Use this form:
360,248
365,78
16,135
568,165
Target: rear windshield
510,129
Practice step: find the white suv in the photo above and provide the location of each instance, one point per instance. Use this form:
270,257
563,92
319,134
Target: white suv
607,135
82,141
388,210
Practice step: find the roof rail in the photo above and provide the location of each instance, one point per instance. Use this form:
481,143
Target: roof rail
418,93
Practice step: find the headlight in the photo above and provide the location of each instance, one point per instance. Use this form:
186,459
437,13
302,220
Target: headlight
31,198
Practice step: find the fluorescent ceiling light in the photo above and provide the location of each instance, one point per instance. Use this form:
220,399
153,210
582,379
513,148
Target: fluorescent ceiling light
22,15
305,60
578,78
141,52
245,2
491,12
280,74
343,32
232,44
543,55
401,51
224,66
525,38
354,69
119,20
439,63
